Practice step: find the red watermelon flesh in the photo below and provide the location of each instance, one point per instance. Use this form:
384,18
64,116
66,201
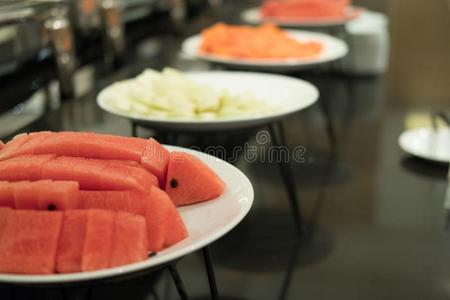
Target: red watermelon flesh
45,195
160,212
127,201
130,163
129,239
34,139
98,242
82,144
58,144
157,213
2,145
6,194
26,167
175,230
71,241
155,158
152,155
129,169
13,145
112,147
95,174
4,211
189,180
29,242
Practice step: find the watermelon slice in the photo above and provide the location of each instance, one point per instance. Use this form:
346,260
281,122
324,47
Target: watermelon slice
129,240
27,167
95,174
55,143
149,153
11,147
4,211
71,241
29,242
155,158
127,201
83,144
6,194
133,170
304,9
160,212
98,242
91,145
34,139
111,147
2,145
189,180
174,229
45,195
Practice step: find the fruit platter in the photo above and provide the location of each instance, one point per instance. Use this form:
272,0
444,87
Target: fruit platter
78,206
253,47
209,100
303,13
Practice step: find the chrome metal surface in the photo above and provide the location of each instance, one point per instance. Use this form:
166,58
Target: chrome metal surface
28,27
59,32
111,13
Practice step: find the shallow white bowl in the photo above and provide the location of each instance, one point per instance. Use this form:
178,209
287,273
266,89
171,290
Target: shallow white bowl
333,49
427,143
289,94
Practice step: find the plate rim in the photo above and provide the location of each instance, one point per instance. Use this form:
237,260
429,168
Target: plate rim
105,274
404,145
358,10
102,103
276,63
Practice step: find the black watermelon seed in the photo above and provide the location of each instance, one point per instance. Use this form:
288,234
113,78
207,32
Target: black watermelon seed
173,183
51,207
151,254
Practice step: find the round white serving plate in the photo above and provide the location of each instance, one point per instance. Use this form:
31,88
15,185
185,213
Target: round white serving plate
289,94
253,16
427,143
205,222
333,49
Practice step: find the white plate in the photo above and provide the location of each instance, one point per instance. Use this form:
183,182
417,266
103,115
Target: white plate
253,16
290,94
427,143
206,222
333,49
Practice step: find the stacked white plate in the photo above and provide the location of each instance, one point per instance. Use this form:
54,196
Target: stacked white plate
368,41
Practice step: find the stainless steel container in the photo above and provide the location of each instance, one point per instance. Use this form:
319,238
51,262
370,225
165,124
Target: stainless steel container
33,28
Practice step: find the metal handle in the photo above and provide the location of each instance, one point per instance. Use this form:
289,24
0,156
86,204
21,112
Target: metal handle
113,27
178,11
87,15
59,32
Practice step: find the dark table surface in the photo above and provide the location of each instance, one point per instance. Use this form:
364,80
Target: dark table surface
376,222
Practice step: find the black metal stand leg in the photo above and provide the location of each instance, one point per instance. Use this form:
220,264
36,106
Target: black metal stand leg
210,273
329,125
290,270
134,128
324,102
350,106
178,283
288,177
154,294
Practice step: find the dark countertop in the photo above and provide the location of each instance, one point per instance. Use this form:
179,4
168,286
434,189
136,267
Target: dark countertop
375,217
